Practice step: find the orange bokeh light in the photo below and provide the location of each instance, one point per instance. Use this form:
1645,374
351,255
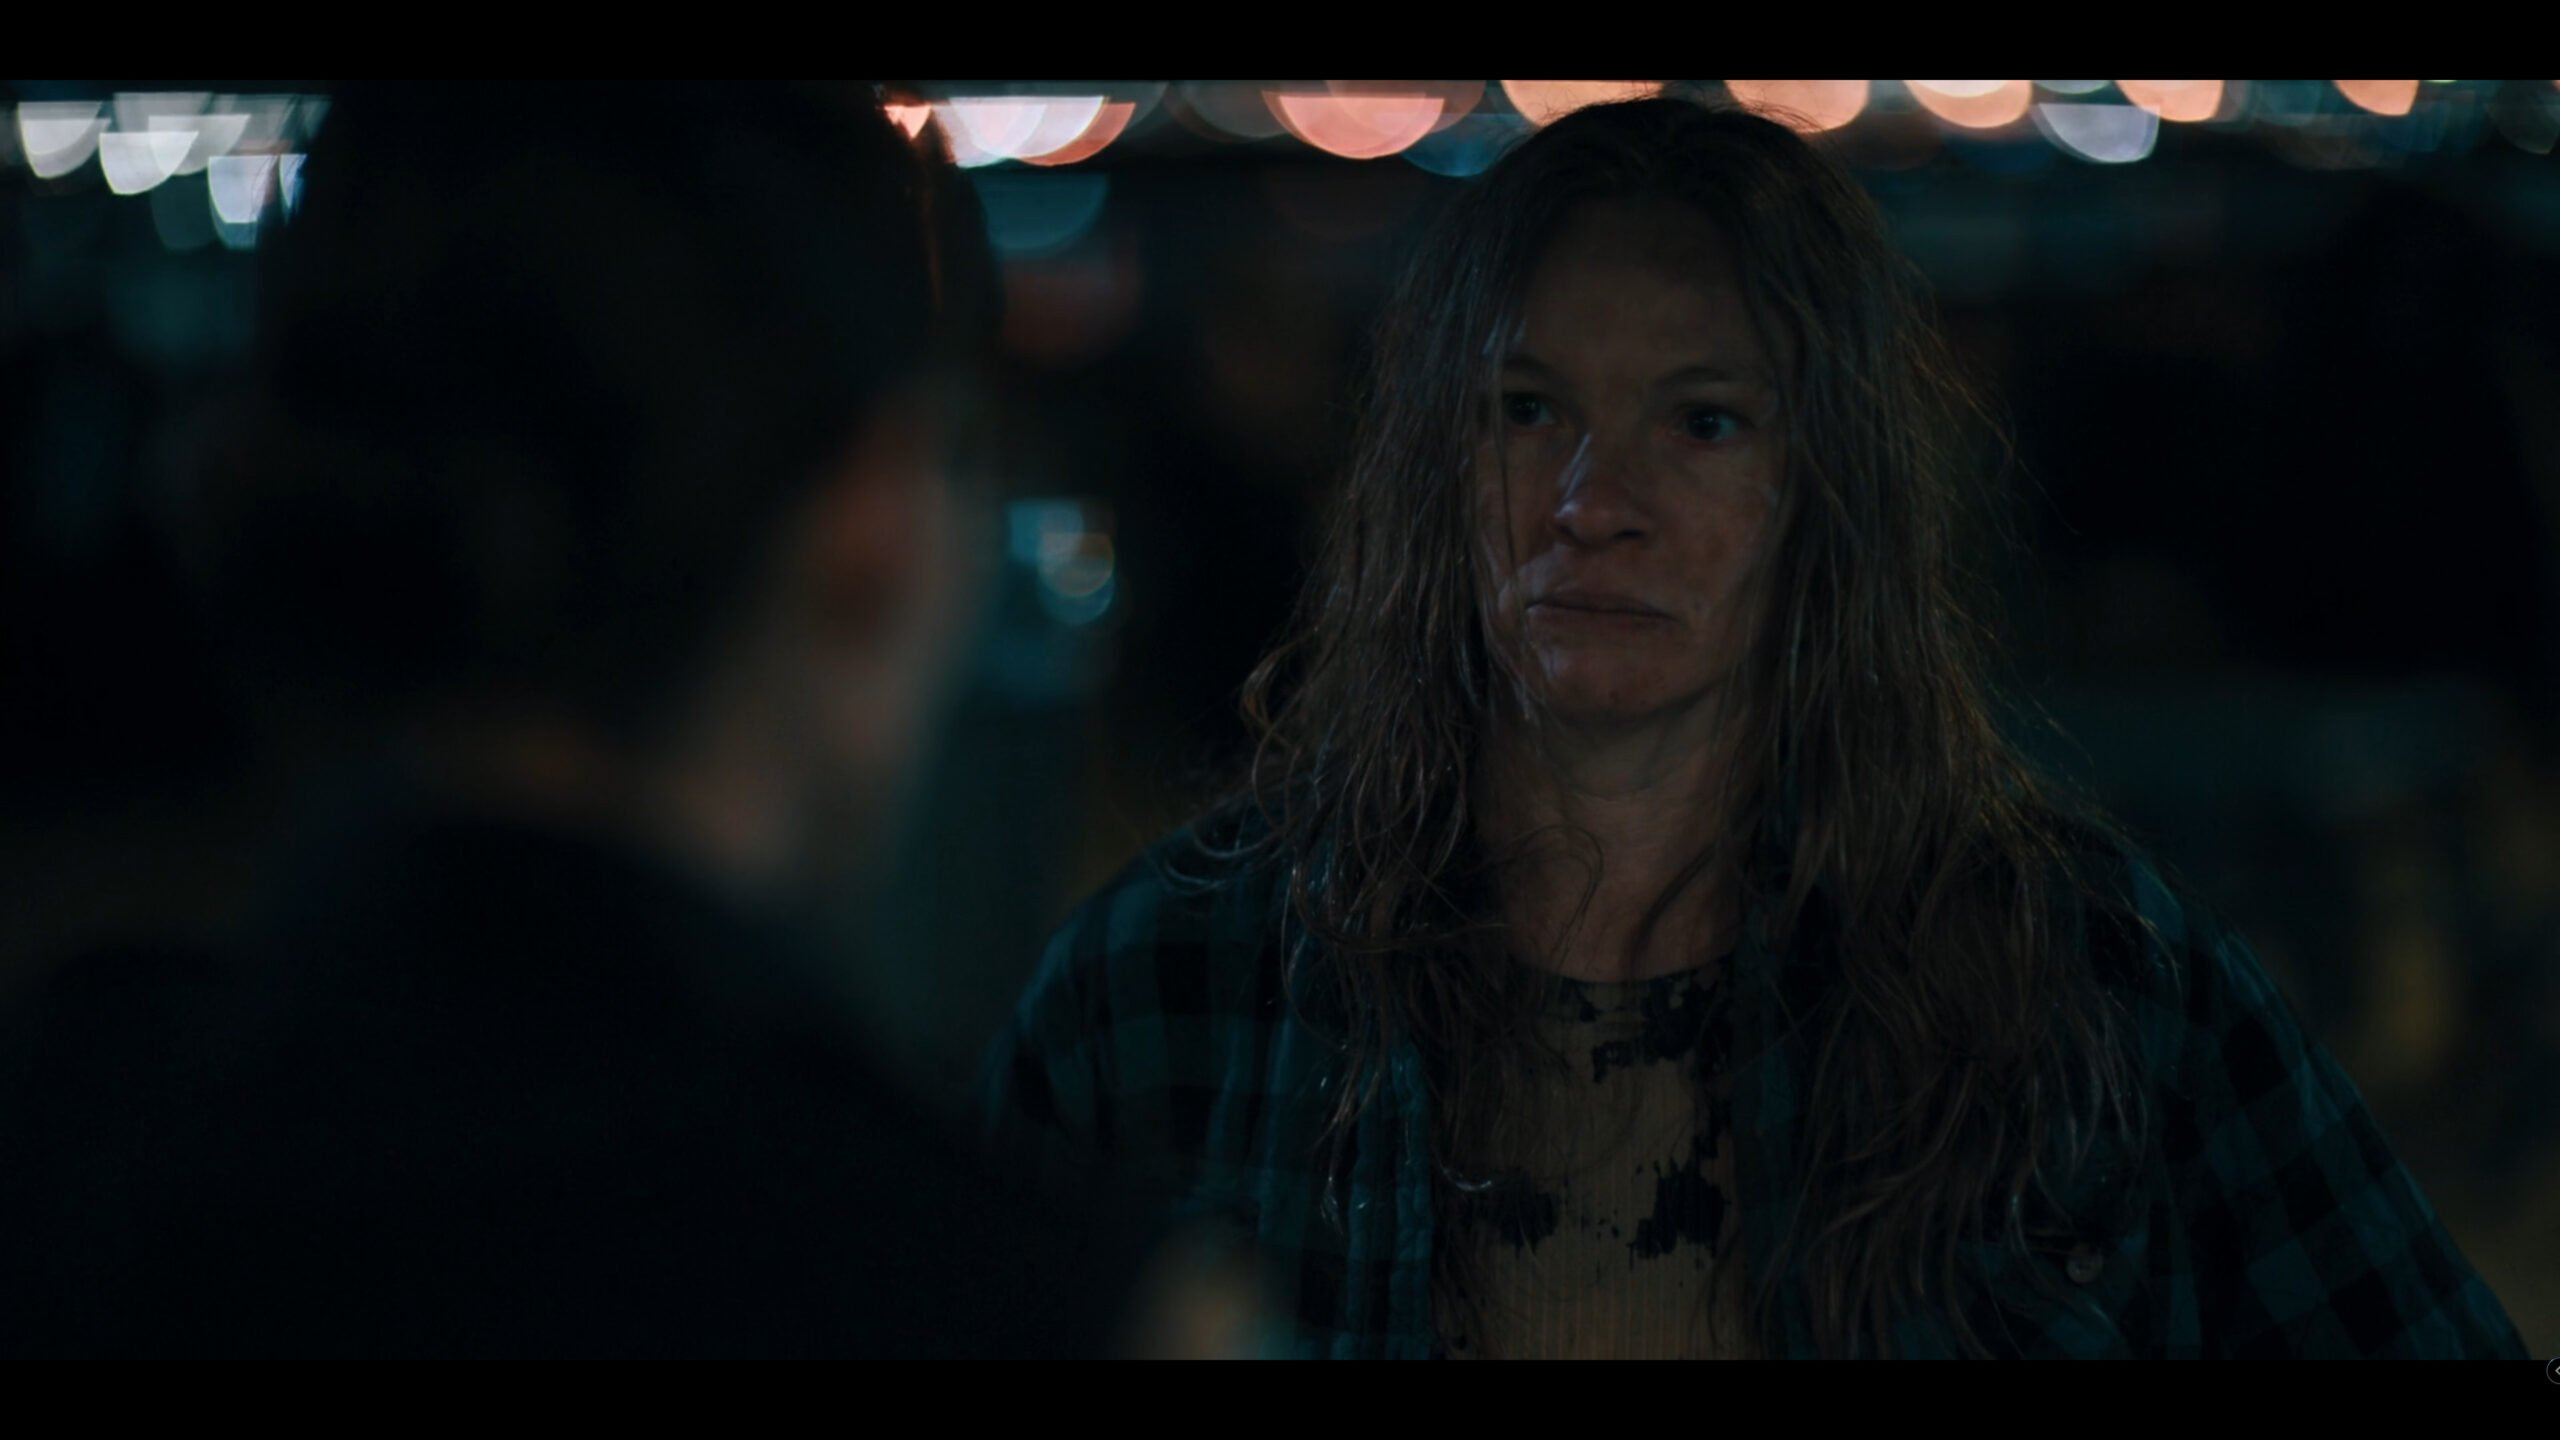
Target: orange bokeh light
1974,104
1810,106
2382,97
1061,124
1356,127
1458,98
2182,100
1547,101
1106,127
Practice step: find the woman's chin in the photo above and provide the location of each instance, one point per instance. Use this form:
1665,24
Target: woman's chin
1587,690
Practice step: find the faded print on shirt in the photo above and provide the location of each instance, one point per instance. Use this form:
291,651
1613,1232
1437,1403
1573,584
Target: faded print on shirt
1600,1232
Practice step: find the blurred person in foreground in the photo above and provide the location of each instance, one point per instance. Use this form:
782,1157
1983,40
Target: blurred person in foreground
590,504
1632,938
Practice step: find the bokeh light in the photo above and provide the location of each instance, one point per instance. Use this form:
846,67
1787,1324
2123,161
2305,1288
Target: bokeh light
266,117
1468,147
1356,127
1062,122
1067,544
135,163
1547,101
1458,98
216,133
1974,104
2529,117
1226,110
1107,125
986,129
2382,97
58,137
2100,134
240,187
135,110
1010,122
2186,101
1810,106
1030,214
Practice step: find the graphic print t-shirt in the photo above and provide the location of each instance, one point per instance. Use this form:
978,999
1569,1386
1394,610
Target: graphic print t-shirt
1598,1233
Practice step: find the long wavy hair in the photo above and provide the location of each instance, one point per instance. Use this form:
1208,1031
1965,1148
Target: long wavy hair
1890,841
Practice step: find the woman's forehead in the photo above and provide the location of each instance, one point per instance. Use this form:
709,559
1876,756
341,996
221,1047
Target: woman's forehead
1662,234
1655,277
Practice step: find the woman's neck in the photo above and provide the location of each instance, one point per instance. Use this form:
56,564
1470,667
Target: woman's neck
1621,817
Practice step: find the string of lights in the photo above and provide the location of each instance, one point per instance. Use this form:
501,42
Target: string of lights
249,146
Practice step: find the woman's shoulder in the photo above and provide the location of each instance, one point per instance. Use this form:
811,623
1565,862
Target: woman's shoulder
1189,924
1145,998
2268,1146
2187,977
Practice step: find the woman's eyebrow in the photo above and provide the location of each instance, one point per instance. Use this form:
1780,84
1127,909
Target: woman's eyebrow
1700,372
1707,373
1521,367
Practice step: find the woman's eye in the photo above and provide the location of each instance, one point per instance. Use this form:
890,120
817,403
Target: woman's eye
1525,410
1709,424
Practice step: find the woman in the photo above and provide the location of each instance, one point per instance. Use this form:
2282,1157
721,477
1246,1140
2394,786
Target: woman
1633,937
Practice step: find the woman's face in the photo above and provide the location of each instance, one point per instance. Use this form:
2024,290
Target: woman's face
1630,470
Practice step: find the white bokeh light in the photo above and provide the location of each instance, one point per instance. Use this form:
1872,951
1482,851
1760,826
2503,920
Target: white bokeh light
240,187
215,135
2100,134
986,129
135,163
58,137
134,111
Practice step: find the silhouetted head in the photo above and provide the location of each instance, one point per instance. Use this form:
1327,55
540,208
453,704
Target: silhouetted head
615,416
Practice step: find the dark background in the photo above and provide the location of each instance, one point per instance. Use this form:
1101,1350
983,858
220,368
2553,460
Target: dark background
2286,403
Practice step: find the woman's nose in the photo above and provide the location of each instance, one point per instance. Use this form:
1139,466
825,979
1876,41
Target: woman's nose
1594,504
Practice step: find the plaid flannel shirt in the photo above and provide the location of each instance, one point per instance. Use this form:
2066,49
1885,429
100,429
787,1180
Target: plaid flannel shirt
2265,1217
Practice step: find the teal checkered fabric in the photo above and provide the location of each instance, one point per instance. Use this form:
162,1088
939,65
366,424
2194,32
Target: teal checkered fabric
2264,1217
